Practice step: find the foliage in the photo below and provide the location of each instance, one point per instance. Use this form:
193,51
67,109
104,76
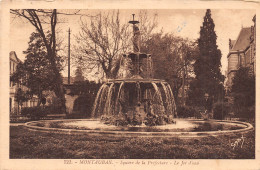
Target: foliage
207,66
243,88
158,120
243,93
78,115
149,120
34,113
18,119
21,96
45,21
35,73
38,112
117,120
172,58
52,109
220,110
188,111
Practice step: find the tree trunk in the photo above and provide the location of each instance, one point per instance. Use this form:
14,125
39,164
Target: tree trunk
59,90
62,98
52,51
39,97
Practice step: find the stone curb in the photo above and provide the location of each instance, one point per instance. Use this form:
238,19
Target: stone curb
140,134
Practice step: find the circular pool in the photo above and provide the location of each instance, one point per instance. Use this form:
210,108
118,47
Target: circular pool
182,128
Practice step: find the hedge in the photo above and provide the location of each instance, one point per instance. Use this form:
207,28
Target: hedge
188,111
39,112
220,110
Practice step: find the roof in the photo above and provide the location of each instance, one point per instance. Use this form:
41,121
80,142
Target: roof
243,40
232,43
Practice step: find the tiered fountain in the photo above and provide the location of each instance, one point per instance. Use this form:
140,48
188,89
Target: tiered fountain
136,100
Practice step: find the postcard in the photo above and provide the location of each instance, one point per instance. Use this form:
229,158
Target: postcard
129,85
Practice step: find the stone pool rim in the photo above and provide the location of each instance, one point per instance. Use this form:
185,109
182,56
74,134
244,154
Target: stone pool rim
248,128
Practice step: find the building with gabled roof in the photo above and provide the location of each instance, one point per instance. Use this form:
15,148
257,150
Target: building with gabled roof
242,52
13,105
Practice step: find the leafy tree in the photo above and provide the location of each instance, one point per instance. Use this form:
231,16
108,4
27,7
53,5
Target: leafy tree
207,65
36,72
45,21
79,75
243,92
172,58
21,97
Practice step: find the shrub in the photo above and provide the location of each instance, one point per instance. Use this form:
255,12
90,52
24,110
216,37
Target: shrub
52,109
18,119
34,113
118,120
159,120
220,110
243,93
187,111
245,112
77,116
251,112
123,120
38,112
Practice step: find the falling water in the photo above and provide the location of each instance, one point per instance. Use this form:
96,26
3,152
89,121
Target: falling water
172,100
168,101
160,103
117,108
108,102
96,100
135,94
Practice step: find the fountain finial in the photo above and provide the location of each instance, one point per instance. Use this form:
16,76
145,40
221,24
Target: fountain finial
133,22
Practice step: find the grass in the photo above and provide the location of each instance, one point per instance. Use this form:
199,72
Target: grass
26,144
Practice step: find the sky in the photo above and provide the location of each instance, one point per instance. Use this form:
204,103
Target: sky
181,22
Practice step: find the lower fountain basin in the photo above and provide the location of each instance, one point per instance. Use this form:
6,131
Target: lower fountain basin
182,128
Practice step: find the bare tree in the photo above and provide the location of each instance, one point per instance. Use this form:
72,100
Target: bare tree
104,39
44,21
101,43
147,26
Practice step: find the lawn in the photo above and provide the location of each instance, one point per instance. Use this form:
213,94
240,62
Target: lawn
28,144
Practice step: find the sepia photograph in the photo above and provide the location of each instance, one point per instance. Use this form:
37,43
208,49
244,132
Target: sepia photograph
125,86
